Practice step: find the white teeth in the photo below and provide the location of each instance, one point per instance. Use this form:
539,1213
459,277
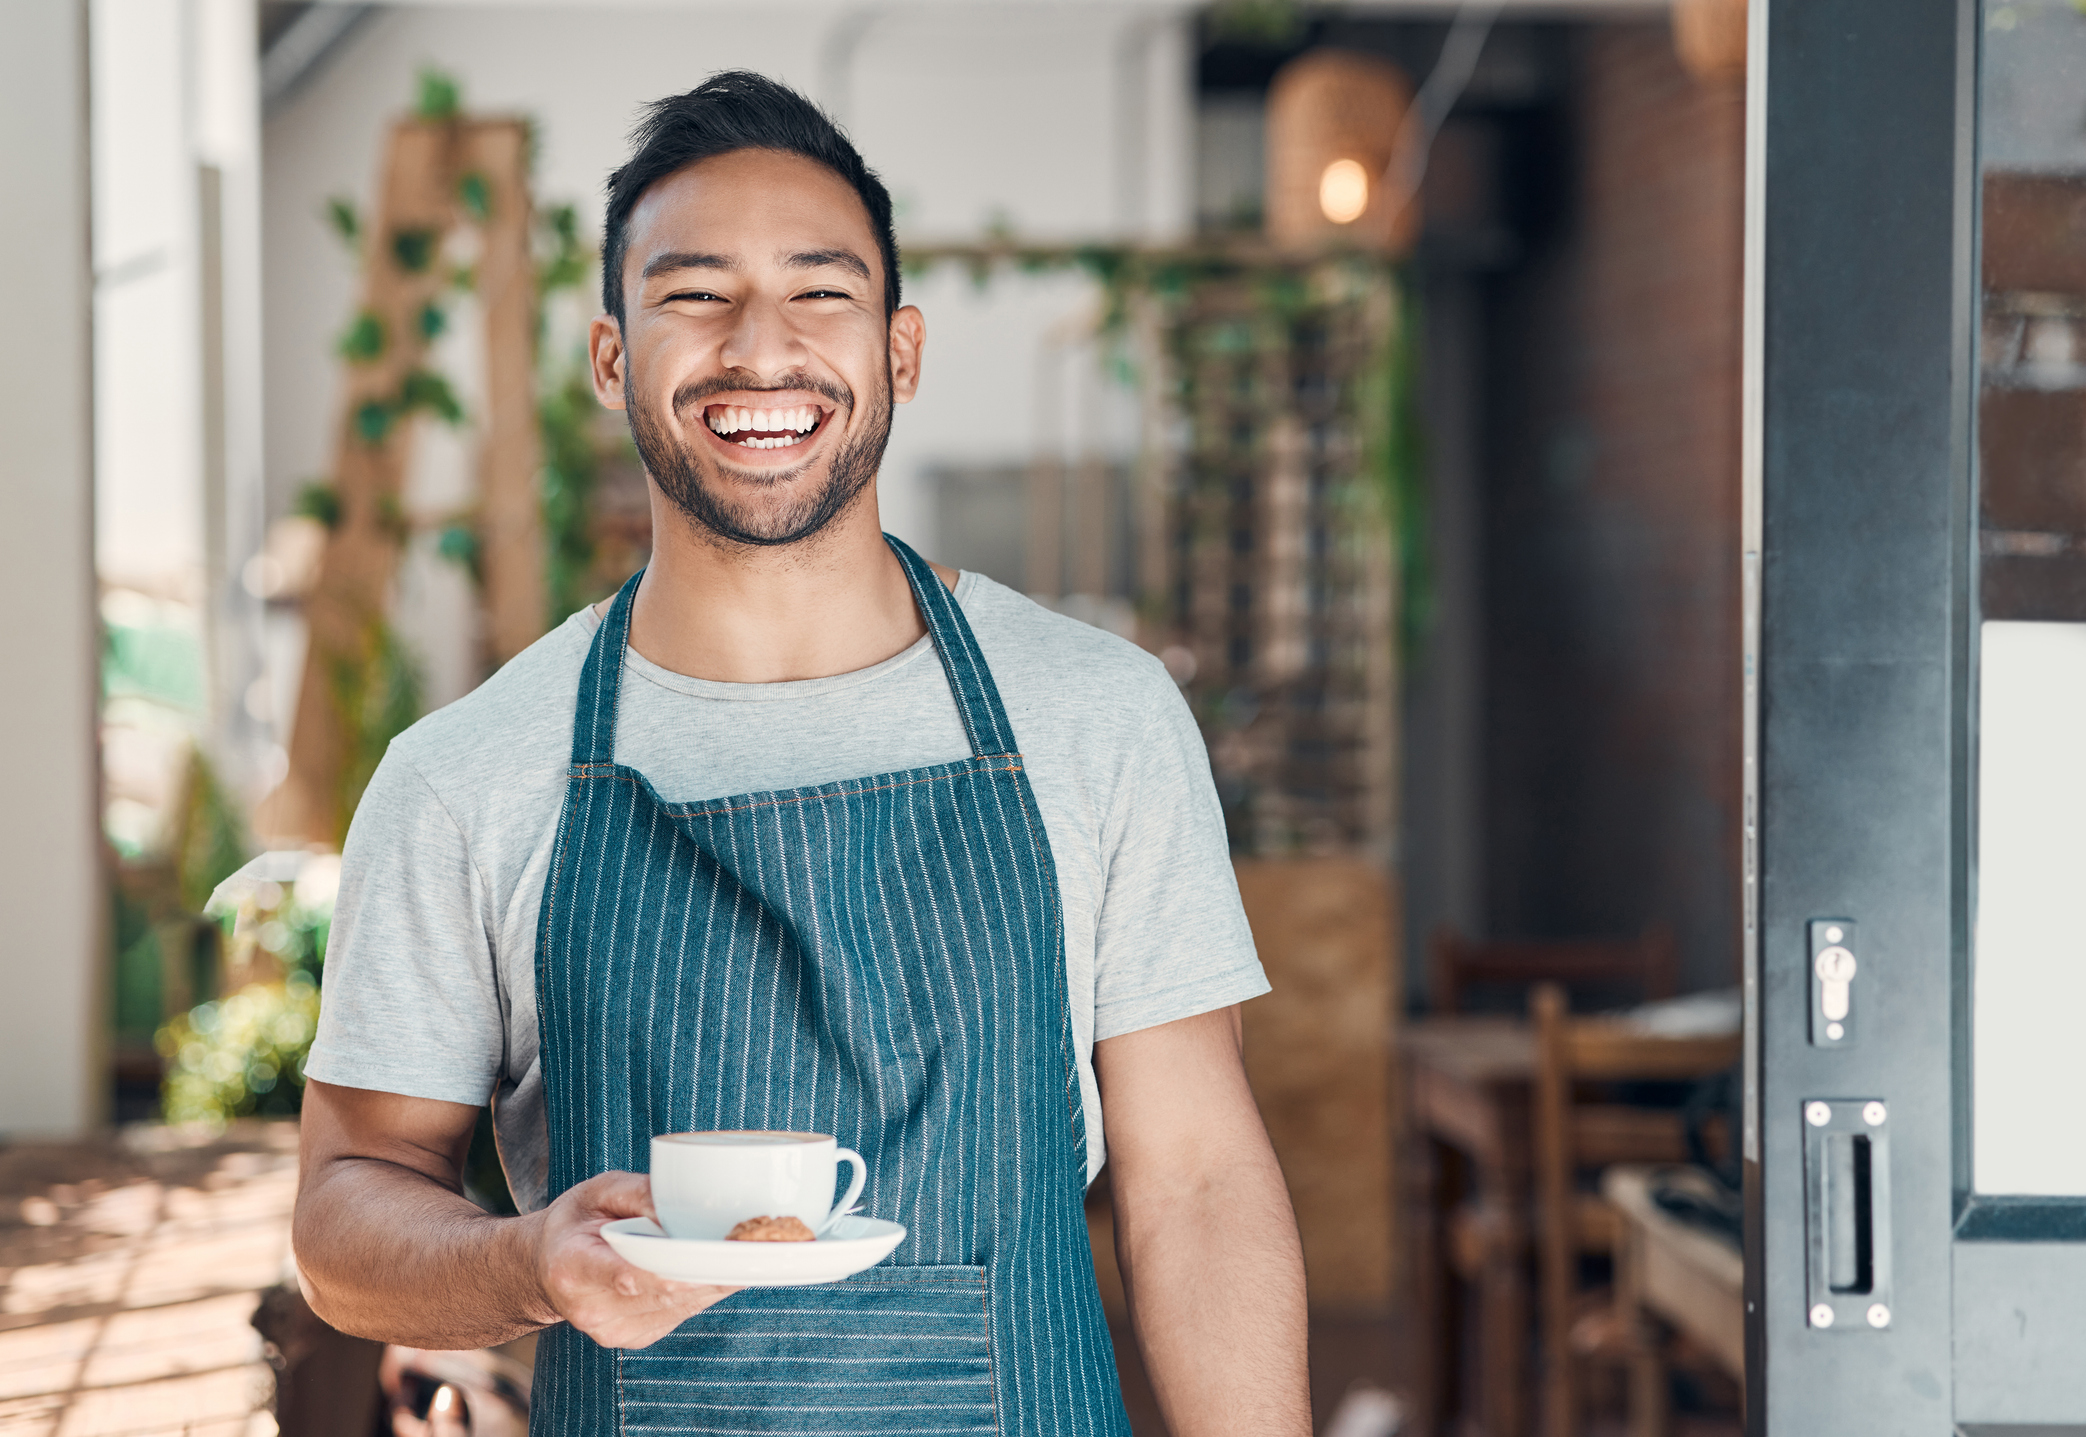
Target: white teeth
788,422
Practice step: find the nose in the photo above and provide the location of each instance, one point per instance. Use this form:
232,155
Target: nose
762,341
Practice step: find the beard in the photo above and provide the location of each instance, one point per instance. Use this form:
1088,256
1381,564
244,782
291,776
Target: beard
696,487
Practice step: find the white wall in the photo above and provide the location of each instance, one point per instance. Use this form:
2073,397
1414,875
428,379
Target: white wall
177,328
51,900
148,430
1065,120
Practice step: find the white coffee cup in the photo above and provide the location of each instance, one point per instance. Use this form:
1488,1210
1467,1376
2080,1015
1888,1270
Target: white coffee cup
706,1184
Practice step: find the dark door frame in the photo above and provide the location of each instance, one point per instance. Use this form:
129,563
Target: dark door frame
1861,191
1861,650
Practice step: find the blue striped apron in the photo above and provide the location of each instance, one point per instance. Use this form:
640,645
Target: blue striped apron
880,959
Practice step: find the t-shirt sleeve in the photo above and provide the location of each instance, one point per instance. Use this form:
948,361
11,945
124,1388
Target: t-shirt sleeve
1172,939
409,1002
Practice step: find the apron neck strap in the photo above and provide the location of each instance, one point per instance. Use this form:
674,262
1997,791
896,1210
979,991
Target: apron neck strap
977,697
601,682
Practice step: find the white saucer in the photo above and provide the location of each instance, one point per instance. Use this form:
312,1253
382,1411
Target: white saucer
850,1245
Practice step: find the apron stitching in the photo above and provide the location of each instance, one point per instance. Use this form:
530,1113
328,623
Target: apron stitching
1039,838
697,809
991,1355
622,1421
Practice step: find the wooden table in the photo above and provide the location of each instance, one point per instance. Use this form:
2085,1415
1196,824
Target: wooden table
1671,1270
1467,1089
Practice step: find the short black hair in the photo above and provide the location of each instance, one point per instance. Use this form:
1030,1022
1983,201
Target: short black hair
735,110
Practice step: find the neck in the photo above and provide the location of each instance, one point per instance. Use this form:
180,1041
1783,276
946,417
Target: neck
742,614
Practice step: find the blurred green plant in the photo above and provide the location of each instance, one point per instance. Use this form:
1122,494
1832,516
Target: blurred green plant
460,545
138,992
340,213
414,249
318,500
423,389
433,321
209,836
242,1055
566,414
571,466
373,420
565,259
441,98
476,196
1270,24
163,944
1397,458
363,340
158,662
377,697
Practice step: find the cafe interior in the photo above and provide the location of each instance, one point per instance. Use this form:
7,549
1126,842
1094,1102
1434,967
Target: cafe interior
1375,365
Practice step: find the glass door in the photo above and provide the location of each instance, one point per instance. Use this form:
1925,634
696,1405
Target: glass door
1916,717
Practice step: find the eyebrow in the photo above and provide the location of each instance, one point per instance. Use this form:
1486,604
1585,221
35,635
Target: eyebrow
823,258
686,259
674,260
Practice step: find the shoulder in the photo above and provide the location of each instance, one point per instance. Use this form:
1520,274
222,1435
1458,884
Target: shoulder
1046,663
515,729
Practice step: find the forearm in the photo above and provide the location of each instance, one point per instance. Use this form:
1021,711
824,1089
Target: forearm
389,1253
1215,1278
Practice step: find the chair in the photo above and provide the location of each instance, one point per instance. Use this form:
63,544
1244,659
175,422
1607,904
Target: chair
1649,964
1572,1135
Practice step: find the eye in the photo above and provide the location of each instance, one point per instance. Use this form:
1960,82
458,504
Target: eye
691,294
825,294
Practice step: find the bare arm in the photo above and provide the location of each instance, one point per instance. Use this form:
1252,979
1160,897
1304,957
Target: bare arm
1204,1232
391,1249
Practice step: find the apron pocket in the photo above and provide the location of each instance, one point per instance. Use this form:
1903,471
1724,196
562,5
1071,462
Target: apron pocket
893,1349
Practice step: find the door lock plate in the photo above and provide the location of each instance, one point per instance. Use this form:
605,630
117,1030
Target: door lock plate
1834,1005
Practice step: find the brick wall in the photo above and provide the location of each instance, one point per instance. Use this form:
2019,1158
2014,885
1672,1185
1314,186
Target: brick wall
1611,531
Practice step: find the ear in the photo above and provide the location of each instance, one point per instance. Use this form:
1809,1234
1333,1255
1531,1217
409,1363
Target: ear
606,359
908,338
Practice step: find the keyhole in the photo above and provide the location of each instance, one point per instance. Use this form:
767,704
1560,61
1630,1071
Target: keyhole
1835,968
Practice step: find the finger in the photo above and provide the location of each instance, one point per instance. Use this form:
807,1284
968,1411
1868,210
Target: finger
614,1195
596,1265
691,1296
639,1332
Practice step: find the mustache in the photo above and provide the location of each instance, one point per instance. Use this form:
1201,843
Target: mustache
695,391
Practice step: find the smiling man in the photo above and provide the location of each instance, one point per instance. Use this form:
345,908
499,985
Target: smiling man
802,833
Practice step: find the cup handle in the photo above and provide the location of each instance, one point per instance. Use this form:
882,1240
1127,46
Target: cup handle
854,1188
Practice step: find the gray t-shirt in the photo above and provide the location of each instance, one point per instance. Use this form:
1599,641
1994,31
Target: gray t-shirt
430,986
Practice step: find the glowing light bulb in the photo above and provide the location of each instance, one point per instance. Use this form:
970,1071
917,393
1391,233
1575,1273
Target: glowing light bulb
1343,191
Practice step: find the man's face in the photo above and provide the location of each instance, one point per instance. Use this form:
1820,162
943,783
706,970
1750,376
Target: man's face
754,356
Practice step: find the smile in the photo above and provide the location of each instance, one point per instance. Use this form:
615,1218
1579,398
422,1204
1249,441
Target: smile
750,428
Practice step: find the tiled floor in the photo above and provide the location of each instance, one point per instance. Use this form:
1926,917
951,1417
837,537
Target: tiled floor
129,1270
